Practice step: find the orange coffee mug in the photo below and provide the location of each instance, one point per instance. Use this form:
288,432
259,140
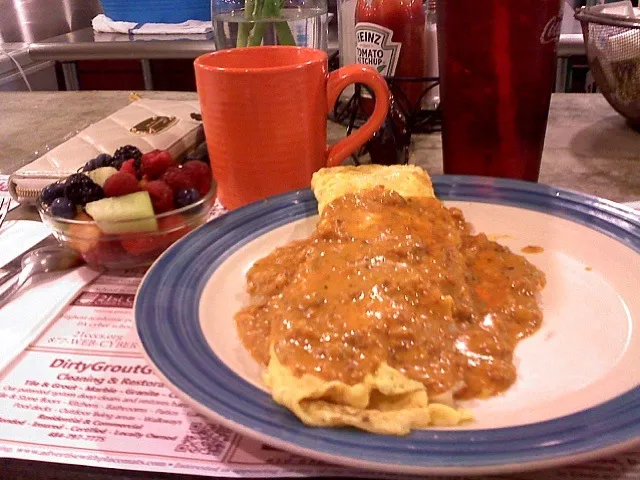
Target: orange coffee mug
264,111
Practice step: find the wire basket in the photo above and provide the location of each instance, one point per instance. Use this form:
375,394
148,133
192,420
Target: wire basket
613,50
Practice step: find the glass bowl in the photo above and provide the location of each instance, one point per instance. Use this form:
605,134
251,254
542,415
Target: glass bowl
129,249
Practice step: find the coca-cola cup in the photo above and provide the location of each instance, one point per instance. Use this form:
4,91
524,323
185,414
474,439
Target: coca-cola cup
497,68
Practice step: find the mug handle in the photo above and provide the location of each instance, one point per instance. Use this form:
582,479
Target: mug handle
338,80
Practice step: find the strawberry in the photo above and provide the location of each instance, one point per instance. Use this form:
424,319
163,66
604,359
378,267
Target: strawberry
200,175
161,195
155,163
143,245
170,229
173,228
177,179
129,167
88,240
121,183
104,253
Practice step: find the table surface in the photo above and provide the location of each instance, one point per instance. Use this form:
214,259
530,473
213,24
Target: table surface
588,148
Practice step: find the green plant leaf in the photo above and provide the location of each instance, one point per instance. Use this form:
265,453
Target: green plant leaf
381,68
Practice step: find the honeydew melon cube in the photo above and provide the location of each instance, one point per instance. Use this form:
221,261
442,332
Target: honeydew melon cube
125,214
100,175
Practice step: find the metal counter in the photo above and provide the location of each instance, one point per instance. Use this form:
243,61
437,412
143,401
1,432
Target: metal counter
33,20
85,44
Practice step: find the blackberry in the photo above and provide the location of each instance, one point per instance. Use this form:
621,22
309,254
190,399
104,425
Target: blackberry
63,207
51,192
123,154
116,163
137,164
81,190
186,197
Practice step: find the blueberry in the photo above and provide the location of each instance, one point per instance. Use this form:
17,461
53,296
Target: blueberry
90,165
63,207
51,192
81,190
103,160
186,197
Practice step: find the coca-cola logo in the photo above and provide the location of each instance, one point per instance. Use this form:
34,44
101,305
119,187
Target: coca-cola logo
551,31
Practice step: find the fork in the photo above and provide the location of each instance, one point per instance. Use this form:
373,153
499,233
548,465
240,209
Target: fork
4,209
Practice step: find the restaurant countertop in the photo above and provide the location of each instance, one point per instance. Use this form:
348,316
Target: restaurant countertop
588,146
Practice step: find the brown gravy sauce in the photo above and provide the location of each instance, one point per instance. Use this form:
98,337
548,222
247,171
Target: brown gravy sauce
402,281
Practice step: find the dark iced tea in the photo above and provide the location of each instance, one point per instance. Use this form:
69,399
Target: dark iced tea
497,69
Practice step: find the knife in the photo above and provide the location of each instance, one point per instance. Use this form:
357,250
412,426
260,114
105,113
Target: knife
11,269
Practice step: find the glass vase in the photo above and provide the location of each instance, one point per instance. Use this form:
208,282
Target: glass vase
247,23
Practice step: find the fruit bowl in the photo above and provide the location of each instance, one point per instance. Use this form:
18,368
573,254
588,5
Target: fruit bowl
122,211
125,247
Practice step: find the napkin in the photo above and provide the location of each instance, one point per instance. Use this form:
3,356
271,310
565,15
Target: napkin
118,37
18,236
40,302
102,23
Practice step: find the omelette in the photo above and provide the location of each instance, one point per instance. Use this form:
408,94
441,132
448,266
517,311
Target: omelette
407,180
390,311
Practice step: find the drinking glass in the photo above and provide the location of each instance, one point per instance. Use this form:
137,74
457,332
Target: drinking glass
247,23
497,63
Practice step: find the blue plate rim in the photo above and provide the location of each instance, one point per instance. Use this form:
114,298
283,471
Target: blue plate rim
616,221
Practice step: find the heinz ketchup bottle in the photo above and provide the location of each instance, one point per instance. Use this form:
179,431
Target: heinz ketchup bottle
390,36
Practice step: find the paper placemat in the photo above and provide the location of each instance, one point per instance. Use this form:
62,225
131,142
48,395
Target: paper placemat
84,395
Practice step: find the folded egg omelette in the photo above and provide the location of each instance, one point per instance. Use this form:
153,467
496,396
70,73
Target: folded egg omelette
384,401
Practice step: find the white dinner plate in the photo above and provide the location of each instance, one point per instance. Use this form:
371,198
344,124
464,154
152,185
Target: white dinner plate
577,395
